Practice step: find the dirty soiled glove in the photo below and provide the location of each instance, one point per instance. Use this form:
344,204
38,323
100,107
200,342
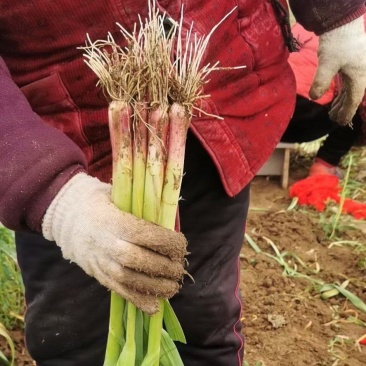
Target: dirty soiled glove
138,260
342,50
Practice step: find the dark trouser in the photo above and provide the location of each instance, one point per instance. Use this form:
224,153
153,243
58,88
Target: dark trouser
311,121
67,315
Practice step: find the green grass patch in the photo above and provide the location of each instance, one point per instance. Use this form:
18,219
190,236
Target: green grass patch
11,285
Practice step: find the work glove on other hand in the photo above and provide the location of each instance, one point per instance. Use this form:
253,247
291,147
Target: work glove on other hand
138,260
342,50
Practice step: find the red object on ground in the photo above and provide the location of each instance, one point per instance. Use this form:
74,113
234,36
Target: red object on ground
317,190
363,340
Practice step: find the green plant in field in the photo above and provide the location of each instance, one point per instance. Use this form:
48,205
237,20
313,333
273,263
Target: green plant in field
333,222
332,225
336,345
331,219
356,184
343,197
11,285
3,359
362,263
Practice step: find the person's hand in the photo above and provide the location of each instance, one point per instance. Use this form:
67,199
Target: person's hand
138,260
342,50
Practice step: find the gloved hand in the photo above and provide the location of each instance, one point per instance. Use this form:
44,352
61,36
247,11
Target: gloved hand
342,50
138,260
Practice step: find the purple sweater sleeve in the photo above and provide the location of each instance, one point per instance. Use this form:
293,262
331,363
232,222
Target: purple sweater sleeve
36,160
321,16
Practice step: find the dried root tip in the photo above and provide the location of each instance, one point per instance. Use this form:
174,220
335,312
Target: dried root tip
189,276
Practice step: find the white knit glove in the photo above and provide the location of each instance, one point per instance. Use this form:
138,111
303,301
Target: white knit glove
138,260
342,50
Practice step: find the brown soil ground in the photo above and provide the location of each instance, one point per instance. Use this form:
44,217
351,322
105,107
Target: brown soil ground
309,330
286,323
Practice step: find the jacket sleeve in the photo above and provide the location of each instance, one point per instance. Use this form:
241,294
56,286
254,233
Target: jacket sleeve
36,160
321,16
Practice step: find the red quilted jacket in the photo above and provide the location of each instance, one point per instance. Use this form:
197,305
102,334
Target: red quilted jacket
38,42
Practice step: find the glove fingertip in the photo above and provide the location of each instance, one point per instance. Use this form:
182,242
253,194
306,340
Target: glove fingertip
322,79
345,117
317,91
